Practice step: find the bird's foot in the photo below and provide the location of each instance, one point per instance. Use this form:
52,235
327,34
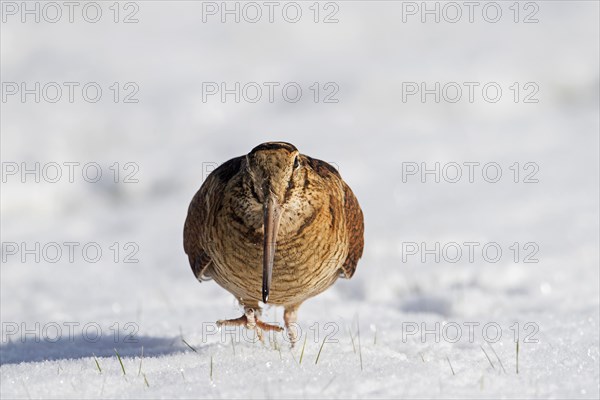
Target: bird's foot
292,332
251,322
290,316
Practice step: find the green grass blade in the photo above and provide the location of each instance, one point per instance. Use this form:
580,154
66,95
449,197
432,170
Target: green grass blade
320,349
352,340
141,359
497,357
517,357
359,346
189,345
450,364
97,363
488,357
303,347
120,361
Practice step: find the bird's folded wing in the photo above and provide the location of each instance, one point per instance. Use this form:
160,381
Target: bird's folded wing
352,213
355,228
196,220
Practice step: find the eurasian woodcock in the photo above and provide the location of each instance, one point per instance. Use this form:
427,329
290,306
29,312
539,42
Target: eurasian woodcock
274,226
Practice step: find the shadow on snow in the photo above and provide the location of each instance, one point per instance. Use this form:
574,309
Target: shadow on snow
32,349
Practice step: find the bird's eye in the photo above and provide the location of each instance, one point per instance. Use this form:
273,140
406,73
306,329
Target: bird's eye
296,162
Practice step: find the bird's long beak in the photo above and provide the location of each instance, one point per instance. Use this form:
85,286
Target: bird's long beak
272,216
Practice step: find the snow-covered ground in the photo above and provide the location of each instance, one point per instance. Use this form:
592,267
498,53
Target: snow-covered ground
391,331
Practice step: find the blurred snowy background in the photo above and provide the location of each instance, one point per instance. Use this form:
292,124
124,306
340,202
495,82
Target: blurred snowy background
176,132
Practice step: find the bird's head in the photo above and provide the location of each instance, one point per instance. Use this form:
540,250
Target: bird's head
273,170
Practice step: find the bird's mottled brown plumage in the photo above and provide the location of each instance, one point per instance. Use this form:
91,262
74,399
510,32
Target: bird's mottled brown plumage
318,229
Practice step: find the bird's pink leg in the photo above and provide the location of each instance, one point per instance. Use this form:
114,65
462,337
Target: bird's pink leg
290,316
250,321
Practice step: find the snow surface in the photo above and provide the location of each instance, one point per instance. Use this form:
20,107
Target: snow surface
368,134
